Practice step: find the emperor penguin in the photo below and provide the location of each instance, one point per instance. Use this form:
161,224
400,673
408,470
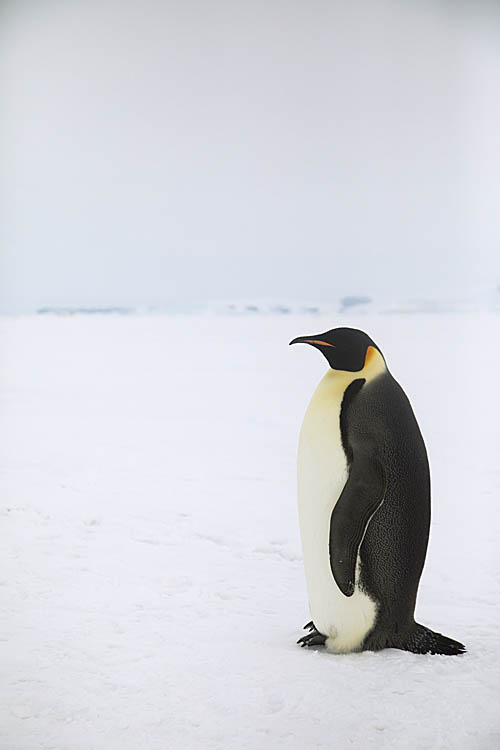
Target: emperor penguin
364,504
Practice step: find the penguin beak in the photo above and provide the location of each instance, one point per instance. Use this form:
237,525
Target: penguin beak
314,340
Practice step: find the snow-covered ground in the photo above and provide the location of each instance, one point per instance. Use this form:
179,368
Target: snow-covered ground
151,580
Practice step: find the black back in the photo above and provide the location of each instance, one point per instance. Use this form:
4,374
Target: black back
378,414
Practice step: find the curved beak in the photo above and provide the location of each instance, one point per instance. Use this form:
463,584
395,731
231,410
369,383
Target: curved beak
314,340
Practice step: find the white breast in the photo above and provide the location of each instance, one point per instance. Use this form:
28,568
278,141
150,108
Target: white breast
322,474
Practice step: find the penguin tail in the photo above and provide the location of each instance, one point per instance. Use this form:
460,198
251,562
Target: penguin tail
422,640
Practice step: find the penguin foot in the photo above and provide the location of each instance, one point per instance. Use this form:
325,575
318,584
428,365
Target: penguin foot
423,640
313,638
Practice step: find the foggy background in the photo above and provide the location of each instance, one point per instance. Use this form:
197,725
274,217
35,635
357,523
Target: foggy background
179,153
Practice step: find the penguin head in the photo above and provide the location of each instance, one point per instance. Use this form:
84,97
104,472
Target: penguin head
344,348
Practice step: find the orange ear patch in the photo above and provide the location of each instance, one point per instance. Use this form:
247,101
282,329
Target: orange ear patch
370,353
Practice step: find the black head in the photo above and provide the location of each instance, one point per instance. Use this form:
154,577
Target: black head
344,348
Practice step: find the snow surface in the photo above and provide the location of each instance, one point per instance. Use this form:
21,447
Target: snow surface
151,579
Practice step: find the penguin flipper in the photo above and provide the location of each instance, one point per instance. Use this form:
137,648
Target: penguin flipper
361,497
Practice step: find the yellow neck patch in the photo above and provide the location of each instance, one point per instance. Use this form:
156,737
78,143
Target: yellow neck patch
374,365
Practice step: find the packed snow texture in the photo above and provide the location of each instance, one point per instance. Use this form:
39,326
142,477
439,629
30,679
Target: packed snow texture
152,585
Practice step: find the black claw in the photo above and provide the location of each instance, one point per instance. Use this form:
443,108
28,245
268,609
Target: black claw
309,626
314,638
317,640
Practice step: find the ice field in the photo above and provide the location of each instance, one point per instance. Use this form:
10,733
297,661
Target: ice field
151,581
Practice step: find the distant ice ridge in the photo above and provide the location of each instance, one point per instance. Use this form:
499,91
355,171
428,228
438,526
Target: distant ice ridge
483,301
361,304
86,311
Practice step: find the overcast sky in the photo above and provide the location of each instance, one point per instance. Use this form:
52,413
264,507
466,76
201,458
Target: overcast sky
156,153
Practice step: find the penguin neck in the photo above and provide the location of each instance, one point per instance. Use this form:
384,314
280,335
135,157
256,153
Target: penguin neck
373,367
374,364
